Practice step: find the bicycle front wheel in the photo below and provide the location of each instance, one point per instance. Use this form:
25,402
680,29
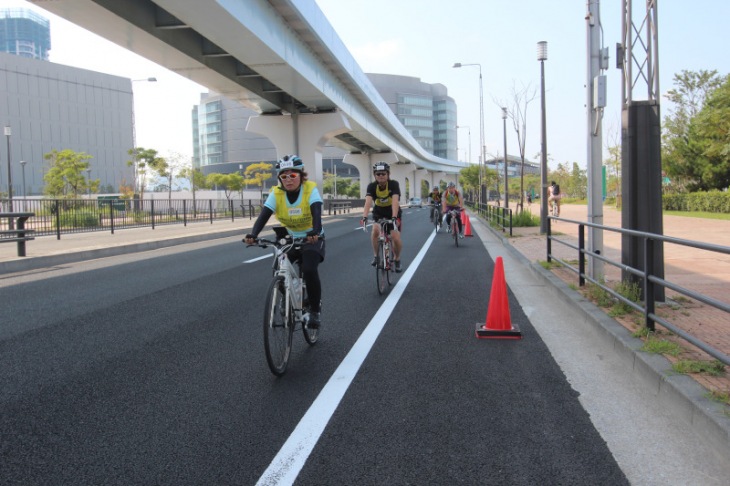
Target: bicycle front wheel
278,328
455,230
381,269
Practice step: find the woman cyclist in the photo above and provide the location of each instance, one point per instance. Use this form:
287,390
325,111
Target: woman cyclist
452,200
297,204
383,196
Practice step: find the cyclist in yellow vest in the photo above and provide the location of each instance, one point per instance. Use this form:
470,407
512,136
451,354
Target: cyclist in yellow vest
452,199
435,200
383,196
297,204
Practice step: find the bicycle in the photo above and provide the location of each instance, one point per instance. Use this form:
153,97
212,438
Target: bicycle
454,225
436,216
287,305
385,257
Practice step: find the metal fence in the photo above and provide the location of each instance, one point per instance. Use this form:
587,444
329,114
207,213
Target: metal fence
651,244
496,215
63,216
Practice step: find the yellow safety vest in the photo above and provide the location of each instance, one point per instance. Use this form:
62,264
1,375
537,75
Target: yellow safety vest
297,216
451,199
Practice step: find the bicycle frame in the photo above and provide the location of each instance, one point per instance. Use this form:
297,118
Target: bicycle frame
293,282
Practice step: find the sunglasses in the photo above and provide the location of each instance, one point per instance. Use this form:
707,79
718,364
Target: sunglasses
381,173
291,175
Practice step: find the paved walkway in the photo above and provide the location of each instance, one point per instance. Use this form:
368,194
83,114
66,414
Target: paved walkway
701,271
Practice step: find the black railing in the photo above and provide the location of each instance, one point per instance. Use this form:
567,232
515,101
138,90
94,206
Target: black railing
63,216
496,215
651,244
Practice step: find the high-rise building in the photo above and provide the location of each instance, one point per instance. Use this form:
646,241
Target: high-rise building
426,111
24,33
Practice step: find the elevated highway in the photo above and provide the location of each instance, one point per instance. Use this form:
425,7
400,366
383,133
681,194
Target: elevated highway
281,58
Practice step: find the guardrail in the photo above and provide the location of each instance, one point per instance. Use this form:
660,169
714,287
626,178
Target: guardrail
64,216
339,207
15,231
651,244
496,215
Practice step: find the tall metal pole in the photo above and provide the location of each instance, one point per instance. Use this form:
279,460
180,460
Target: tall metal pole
595,102
542,57
483,148
22,165
504,130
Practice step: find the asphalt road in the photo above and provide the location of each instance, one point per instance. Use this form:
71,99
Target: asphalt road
149,369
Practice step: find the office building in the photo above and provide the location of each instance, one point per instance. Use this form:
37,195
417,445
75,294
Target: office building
50,106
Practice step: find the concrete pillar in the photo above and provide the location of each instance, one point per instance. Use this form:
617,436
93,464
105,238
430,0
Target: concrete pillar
302,134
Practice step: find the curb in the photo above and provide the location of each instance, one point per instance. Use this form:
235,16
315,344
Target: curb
680,394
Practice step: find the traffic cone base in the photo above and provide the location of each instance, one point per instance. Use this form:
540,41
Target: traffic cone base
483,333
499,323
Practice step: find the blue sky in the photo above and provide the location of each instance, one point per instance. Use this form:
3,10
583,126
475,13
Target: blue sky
424,38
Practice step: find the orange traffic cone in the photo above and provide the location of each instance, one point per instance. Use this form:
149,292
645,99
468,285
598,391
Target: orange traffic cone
498,325
466,223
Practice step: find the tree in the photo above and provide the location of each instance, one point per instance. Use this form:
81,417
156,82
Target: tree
65,177
710,133
613,167
342,185
230,183
679,157
142,158
257,175
197,181
518,114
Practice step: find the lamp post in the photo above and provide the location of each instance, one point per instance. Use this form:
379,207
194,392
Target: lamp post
22,165
134,130
482,156
468,129
506,187
542,57
88,182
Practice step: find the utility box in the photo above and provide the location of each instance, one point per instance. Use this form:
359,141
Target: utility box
599,91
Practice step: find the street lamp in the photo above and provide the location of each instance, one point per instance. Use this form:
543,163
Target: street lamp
88,182
134,130
22,165
506,187
8,131
542,57
468,129
481,125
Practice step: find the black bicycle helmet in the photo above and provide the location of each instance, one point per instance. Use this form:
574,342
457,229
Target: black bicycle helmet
289,162
381,166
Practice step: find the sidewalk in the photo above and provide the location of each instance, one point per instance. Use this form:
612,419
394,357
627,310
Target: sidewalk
704,272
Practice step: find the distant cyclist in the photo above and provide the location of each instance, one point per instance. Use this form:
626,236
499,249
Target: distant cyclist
452,200
554,195
298,207
383,196
435,198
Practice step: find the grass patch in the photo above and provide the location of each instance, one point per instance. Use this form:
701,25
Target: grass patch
642,332
712,368
661,346
548,265
719,396
524,219
598,295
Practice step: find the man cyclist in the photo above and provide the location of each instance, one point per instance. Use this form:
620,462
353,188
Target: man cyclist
435,197
383,196
554,195
452,200
297,204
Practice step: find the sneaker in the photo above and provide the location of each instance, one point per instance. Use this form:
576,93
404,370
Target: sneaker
461,235
313,322
398,268
374,262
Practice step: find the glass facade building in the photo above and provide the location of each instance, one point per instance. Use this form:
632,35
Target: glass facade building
24,33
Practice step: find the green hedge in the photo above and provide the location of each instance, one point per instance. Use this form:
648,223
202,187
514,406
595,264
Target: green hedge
711,202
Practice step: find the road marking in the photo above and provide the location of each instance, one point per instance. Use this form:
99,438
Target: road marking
292,456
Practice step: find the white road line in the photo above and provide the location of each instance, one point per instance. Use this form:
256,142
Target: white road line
292,456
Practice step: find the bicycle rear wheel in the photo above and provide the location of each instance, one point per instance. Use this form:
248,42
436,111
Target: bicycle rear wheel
278,328
381,269
310,335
